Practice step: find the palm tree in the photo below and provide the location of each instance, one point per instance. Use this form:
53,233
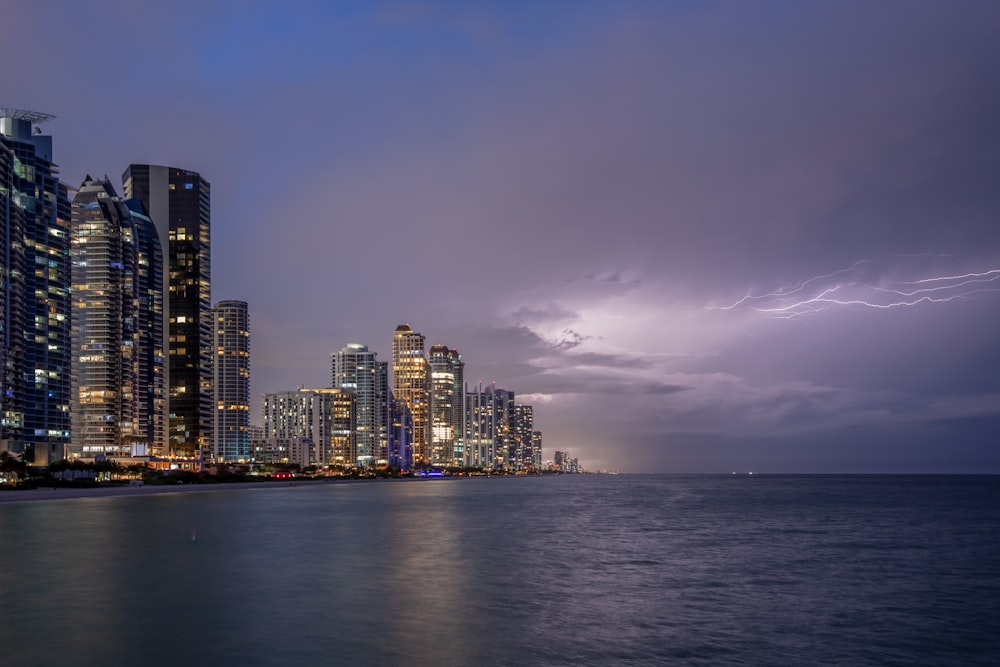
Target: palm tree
12,463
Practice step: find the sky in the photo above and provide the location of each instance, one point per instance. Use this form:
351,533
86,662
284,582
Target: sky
695,236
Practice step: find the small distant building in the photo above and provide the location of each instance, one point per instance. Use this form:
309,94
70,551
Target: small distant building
286,451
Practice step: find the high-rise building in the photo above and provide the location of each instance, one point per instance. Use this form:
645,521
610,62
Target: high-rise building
410,380
36,319
536,449
480,429
12,390
382,414
105,337
504,405
343,428
231,441
355,369
150,353
400,434
447,410
117,341
179,203
521,451
488,413
324,417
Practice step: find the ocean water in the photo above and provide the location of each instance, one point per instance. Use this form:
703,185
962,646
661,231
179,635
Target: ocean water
571,570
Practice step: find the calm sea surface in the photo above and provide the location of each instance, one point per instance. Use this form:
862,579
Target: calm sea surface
573,570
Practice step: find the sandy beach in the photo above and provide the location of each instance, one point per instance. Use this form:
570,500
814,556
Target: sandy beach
46,493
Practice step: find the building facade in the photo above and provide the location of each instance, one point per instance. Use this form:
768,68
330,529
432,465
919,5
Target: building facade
447,411
179,203
522,444
488,417
105,337
355,369
231,382
400,435
150,351
383,397
410,380
35,220
324,417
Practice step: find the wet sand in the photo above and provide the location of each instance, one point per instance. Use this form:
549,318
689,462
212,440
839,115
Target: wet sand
48,493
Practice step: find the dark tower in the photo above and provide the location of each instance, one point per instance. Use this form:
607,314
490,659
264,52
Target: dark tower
178,202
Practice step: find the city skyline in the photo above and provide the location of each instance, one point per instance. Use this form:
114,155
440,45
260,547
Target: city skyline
695,238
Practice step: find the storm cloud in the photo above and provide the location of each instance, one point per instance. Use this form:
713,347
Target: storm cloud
590,201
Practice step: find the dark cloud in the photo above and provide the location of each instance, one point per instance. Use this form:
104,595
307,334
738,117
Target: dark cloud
552,312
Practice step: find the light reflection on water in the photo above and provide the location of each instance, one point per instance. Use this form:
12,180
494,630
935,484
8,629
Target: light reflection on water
574,570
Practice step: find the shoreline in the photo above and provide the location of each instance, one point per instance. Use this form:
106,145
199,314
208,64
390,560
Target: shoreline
66,493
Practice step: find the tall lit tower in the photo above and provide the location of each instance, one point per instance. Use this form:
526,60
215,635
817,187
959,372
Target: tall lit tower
488,413
179,203
35,224
231,441
410,379
106,395
446,406
522,453
355,369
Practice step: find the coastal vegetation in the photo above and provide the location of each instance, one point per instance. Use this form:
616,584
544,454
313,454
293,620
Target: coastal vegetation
78,473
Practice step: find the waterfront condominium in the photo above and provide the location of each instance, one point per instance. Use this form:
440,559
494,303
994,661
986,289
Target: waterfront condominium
323,418
355,369
231,381
116,353
410,379
447,411
521,451
488,433
178,202
35,296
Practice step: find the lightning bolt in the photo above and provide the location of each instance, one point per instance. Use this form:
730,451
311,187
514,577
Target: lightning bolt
847,288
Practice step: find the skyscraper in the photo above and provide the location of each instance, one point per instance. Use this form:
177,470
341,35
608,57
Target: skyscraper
410,379
488,413
150,352
383,419
179,203
231,441
522,452
446,405
355,369
35,220
105,339
343,428
399,451
11,308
